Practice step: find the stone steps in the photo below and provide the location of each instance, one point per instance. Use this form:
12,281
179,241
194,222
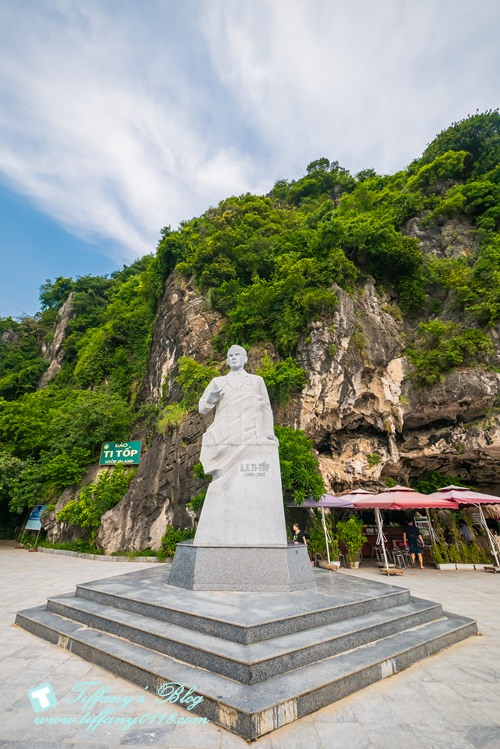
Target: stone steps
241,617
248,664
241,708
360,632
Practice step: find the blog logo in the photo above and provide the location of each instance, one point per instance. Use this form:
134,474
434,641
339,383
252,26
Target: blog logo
42,698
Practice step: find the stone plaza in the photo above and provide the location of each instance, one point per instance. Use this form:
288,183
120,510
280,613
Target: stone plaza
449,700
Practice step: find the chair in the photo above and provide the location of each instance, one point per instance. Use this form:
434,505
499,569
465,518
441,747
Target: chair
379,553
400,554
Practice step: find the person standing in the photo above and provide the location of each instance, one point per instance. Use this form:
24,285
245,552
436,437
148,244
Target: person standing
413,538
299,537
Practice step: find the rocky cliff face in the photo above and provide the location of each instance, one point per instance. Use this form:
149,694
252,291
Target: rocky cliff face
165,480
54,352
367,418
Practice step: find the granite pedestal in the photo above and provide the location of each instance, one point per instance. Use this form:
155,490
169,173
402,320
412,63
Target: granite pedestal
262,568
260,660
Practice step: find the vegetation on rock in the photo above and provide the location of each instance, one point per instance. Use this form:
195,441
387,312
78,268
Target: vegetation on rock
172,537
270,265
300,475
96,499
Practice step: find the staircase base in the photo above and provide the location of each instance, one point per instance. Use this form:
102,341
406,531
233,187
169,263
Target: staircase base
259,660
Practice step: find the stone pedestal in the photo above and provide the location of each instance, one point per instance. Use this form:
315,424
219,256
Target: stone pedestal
240,542
244,505
258,568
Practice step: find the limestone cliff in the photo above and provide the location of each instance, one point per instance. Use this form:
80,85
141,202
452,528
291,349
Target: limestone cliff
365,415
53,352
369,419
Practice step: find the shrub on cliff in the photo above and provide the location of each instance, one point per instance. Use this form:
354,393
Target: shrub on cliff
96,499
300,476
440,346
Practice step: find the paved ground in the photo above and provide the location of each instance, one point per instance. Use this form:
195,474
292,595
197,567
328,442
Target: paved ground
448,701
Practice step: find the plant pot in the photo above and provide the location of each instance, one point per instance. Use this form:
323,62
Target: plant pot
353,565
334,565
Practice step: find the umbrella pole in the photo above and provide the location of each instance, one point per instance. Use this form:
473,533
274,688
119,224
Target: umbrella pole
380,537
327,535
431,528
494,552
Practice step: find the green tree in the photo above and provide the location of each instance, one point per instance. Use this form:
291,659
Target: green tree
21,363
53,294
300,474
282,379
478,134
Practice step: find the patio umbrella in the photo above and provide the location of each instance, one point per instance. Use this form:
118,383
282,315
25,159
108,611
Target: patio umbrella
327,500
399,498
464,496
363,499
403,498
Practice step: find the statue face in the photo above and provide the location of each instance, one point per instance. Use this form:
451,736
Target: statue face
236,357
235,360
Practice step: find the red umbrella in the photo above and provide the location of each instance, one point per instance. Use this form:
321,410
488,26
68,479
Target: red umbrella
464,496
327,500
401,498
355,495
397,498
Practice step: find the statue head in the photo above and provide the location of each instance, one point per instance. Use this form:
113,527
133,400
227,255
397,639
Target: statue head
236,357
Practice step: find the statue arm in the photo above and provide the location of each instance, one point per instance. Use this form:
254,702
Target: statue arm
267,421
212,395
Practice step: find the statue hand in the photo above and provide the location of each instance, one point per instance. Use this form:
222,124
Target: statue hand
215,396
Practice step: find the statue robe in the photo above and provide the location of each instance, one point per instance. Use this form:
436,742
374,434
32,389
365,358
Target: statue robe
243,416
244,502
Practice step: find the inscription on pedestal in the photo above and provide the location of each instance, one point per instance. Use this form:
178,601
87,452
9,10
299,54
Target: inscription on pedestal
254,469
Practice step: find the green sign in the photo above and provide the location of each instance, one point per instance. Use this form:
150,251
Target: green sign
120,452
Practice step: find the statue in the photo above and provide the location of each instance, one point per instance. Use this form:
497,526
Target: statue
240,543
244,503
243,414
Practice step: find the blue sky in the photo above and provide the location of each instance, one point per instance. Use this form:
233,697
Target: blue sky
119,117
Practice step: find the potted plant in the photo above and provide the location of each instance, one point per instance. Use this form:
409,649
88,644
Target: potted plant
350,532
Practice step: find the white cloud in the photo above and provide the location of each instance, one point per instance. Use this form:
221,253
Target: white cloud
96,145
367,83
117,118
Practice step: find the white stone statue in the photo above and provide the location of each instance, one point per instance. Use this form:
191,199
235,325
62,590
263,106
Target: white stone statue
244,502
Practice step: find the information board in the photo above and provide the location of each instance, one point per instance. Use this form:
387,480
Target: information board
34,523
